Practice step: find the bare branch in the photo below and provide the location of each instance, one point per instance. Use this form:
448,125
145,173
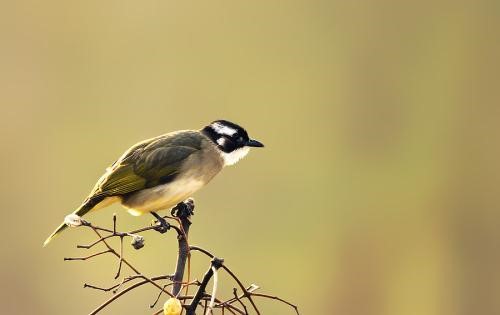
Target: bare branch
183,212
209,303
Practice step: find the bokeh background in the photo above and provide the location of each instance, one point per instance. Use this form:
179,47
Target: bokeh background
377,192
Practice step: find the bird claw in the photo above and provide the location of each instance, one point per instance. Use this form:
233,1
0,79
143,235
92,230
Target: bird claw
162,225
183,209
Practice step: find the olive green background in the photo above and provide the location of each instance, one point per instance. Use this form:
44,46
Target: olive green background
377,192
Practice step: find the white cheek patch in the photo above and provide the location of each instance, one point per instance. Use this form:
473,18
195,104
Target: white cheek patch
233,157
224,130
221,141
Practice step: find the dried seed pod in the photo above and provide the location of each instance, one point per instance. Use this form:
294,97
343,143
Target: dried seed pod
137,242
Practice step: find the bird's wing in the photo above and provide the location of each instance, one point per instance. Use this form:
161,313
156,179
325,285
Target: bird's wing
147,164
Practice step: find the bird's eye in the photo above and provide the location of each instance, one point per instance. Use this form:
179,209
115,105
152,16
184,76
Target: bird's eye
240,139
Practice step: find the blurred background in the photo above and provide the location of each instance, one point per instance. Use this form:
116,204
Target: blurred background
377,192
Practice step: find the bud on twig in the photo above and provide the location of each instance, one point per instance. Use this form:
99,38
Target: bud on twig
137,242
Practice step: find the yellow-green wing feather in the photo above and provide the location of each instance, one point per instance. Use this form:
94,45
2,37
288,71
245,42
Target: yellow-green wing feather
120,180
147,164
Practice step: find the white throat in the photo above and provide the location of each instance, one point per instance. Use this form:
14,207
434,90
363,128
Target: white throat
233,157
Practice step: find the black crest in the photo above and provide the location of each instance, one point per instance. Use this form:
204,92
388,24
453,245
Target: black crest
226,135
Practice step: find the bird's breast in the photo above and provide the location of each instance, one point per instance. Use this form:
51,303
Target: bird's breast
162,196
195,173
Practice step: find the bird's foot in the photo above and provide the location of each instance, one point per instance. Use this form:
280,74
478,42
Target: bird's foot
183,209
161,225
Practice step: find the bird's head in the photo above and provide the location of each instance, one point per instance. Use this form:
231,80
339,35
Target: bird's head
231,139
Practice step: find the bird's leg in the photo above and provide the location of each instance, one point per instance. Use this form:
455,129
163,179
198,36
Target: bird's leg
164,226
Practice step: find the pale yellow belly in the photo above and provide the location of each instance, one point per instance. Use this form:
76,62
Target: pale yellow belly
161,197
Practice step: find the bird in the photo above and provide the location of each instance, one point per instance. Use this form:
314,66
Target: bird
158,173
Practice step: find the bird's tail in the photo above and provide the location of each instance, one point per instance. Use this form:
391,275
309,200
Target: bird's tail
61,227
83,209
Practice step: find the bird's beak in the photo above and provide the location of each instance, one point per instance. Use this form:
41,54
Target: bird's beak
254,143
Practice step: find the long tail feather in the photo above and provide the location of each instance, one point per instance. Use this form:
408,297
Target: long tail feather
55,233
83,209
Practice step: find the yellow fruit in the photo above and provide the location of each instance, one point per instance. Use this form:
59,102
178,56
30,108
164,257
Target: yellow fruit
172,307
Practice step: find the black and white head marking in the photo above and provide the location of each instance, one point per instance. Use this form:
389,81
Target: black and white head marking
231,139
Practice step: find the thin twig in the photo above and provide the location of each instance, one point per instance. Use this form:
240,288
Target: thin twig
250,289
86,285
159,294
295,307
121,258
87,257
116,296
239,300
218,305
129,265
242,287
195,282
